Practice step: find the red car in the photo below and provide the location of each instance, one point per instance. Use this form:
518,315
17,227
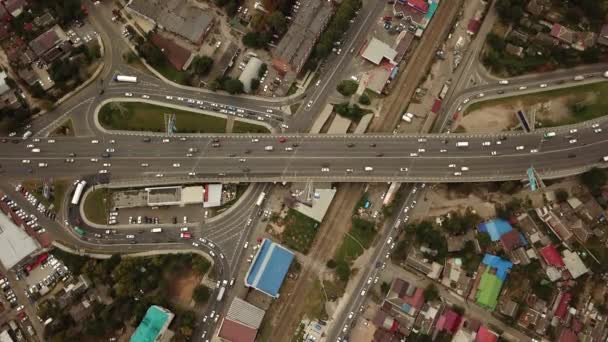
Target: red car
185,236
387,18
282,139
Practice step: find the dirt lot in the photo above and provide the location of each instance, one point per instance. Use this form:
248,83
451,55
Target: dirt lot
489,120
182,287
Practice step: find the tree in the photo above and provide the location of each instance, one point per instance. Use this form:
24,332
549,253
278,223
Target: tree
364,100
201,65
263,69
277,22
385,287
331,264
343,270
561,195
256,40
347,87
201,294
593,179
200,265
255,84
510,11
233,86
431,293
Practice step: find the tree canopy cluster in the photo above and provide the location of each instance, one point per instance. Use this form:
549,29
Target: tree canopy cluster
347,87
352,112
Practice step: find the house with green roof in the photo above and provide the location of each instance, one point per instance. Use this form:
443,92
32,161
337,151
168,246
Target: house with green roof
154,325
488,290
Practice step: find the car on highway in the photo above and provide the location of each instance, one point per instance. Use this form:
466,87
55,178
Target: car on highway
573,130
94,141
523,88
597,130
457,173
159,175
413,154
480,95
345,329
284,126
503,82
176,164
168,97
216,145
255,140
466,100
26,161
109,150
192,174
309,104
103,171
43,164
282,139
324,169
144,164
519,148
349,170
486,143
94,160
107,164
572,141
145,96
403,169
452,165
195,244
544,85
69,160
289,148
130,236
185,235
128,94
534,150
363,292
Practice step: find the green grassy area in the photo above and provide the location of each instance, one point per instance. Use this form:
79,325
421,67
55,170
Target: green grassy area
334,289
364,231
315,302
97,205
246,127
300,231
136,116
170,73
292,89
294,107
349,250
58,189
586,102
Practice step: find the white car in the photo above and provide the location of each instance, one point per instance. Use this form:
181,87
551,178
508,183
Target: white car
486,143
574,130
107,164
309,104
452,165
43,164
572,141
595,125
324,169
597,130
94,141
421,150
544,85
26,161
284,126
413,154
466,100
503,82
159,175
195,244
176,164
534,150
350,170
109,150
192,174
130,236
169,97
103,171
403,169
255,140
94,160
519,148
481,95
51,141
443,150
523,88
289,148
145,164
457,173
166,141
145,96
128,94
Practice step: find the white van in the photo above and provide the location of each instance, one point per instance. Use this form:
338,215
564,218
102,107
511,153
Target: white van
462,144
579,77
464,168
369,169
269,148
605,158
36,150
406,118
156,230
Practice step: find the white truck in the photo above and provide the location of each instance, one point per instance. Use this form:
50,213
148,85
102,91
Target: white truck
462,144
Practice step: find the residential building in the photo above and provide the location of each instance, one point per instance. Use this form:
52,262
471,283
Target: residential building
455,277
449,322
177,55
154,326
602,38
14,7
175,16
563,33
51,44
405,298
574,264
295,47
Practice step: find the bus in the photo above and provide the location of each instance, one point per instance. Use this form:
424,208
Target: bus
79,231
220,294
78,192
124,78
260,199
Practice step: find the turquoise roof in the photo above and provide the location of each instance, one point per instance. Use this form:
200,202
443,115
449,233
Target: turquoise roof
152,325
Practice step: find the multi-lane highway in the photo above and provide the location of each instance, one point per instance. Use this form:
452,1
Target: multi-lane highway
343,158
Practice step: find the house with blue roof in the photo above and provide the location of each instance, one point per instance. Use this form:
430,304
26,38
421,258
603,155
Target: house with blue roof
495,228
269,268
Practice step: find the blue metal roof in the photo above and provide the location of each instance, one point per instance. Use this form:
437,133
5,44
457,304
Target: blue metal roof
501,265
495,228
269,268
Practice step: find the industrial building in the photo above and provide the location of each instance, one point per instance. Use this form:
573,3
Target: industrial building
15,243
250,72
242,322
269,268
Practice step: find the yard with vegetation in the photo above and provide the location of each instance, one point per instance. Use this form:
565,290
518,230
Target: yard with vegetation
97,205
134,284
300,231
246,127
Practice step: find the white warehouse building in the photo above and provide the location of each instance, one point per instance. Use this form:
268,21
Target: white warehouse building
250,72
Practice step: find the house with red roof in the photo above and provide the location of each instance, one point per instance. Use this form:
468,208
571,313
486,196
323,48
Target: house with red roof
486,335
405,298
449,321
568,335
419,5
511,240
562,33
562,301
552,256
177,55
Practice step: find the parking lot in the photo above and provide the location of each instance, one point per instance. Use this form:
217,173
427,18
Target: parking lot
186,215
